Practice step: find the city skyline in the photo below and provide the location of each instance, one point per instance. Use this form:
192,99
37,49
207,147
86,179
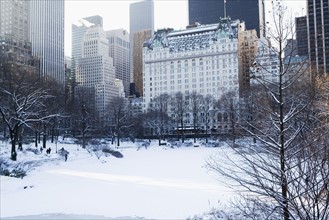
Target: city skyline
115,14
167,14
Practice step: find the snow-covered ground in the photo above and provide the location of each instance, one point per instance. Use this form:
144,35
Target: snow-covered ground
154,183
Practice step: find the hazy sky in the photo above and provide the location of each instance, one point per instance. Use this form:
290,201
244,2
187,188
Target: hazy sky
115,13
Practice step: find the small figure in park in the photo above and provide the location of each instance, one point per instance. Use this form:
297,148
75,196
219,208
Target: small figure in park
64,153
48,150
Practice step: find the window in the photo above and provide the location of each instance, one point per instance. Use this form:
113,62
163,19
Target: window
200,61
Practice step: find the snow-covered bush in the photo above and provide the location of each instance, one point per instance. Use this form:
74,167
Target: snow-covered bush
173,144
114,153
212,144
33,150
96,147
188,144
8,168
141,144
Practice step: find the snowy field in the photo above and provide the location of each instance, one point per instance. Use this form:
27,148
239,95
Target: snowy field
154,183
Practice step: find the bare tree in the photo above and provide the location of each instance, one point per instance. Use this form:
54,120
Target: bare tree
23,101
229,105
157,118
179,106
85,115
207,112
284,176
195,108
119,116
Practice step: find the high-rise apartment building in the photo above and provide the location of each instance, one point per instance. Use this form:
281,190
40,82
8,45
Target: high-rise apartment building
248,45
15,48
318,35
14,19
141,18
119,50
266,68
47,37
78,31
252,12
301,35
291,48
95,74
138,40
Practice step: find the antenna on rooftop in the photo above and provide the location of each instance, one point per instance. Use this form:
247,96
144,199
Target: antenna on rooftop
224,8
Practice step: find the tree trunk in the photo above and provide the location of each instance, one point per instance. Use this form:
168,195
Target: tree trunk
284,182
194,133
44,140
182,131
36,138
5,132
13,150
13,138
52,134
118,139
206,133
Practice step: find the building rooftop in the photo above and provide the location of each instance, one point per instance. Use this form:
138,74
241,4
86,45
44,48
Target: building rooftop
195,37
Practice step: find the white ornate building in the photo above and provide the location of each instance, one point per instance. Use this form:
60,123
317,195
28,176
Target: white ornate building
201,58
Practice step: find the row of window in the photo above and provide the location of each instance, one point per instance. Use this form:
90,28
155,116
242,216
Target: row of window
163,55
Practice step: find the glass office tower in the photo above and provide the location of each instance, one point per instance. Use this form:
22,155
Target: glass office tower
210,11
47,37
318,35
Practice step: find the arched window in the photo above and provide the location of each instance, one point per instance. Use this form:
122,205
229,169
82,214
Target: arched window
200,61
179,64
225,116
186,63
219,117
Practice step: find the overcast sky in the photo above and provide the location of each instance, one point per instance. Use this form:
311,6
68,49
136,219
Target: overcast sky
115,13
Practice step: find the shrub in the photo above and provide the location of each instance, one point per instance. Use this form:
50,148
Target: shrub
114,153
13,169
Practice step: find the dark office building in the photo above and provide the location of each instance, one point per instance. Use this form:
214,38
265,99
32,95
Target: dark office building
301,35
318,34
291,48
209,12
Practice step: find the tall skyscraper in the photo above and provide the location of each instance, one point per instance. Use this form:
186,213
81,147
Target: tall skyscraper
95,73
301,35
14,19
291,48
78,31
138,40
248,41
47,37
210,11
141,18
15,49
119,50
318,35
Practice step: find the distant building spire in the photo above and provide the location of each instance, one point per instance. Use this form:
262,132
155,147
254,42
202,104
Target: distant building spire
224,8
